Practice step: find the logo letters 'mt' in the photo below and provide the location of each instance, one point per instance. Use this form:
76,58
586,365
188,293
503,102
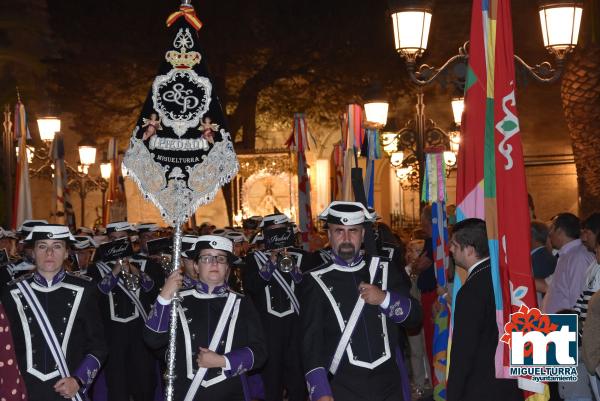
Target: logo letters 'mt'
540,341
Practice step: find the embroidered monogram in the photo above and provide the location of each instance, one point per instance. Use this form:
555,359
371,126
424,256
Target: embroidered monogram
396,309
91,375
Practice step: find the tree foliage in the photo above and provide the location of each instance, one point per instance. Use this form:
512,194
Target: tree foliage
268,60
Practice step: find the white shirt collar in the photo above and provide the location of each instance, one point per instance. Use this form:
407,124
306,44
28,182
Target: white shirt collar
475,265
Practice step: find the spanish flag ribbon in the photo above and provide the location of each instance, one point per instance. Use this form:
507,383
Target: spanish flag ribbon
189,14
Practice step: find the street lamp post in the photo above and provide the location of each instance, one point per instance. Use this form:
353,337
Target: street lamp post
407,147
105,173
79,179
418,136
411,20
85,183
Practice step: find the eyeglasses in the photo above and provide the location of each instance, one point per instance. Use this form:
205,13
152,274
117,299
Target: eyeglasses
210,259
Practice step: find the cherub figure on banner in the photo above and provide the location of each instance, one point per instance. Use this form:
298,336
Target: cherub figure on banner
208,129
152,125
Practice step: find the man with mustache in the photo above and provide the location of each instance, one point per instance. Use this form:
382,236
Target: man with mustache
351,308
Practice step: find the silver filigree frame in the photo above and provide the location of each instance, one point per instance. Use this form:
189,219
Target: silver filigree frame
176,199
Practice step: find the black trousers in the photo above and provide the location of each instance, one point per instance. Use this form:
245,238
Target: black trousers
130,369
284,367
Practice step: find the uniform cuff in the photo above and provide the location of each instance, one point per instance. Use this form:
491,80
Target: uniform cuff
398,307
386,301
240,360
158,320
107,283
87,371
147,283
318,384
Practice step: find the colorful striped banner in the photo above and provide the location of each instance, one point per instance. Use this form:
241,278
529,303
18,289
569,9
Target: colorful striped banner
63,208
337,171
22,209
372,150
116,209
491,174
434,192
298,141
356,132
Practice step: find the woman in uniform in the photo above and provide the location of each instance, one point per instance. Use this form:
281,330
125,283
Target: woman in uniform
219,335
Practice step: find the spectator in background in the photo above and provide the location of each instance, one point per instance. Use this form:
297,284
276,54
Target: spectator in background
589,236
206,228
590,343
418,360
573,261
427,283
543,262
590,230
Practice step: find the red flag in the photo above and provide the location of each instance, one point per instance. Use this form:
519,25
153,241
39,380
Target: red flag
491,174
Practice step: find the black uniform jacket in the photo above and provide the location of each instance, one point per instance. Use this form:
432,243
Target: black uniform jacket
474,341
71,304
242,341
328,297
267,293
115,305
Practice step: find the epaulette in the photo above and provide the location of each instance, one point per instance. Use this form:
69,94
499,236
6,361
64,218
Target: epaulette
389,250
79,275
326,263
21,278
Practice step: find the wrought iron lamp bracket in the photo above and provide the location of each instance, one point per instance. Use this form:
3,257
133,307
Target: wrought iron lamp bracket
425,74
544,72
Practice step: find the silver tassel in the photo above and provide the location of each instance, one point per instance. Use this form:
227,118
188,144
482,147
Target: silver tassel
170,374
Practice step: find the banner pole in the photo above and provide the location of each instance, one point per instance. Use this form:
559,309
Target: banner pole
170,373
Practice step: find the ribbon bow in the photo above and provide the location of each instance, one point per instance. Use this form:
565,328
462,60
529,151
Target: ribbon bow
524,321
189,14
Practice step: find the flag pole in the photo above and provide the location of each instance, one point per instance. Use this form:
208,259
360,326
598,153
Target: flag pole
172,346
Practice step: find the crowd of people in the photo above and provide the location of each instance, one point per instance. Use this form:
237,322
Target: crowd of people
86,315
